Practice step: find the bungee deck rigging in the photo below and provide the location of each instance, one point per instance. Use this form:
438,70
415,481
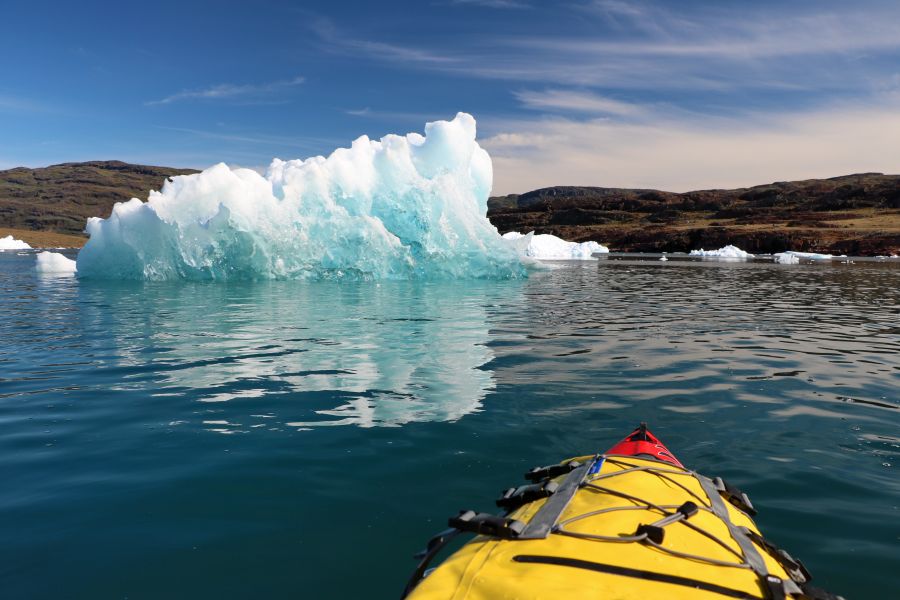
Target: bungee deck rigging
629,523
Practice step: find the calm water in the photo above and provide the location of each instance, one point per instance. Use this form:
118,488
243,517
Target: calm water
303,440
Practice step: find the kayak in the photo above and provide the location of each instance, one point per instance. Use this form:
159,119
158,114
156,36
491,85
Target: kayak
630,523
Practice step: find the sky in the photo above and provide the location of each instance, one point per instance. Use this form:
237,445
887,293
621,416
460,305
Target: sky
674,95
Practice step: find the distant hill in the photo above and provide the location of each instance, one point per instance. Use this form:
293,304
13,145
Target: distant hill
60,198
852,214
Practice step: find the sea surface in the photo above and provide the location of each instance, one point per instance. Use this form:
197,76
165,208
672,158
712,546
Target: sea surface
303,440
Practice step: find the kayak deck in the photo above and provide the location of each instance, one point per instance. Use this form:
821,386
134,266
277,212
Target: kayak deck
632,526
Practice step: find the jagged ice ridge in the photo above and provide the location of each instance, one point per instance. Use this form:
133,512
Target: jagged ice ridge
404,207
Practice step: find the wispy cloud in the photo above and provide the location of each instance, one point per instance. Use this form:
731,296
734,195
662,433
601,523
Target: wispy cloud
503,4
231,91
342,43
650,46
14,104
297,143
684,153
400,116
576,101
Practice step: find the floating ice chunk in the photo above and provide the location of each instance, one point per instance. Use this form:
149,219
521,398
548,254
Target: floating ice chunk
728,252
55,263
11,243
549,247
792,258
403,207
786,258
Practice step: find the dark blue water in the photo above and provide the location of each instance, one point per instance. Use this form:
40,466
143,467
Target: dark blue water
286,439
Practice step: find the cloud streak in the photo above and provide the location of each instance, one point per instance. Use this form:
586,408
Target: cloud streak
502,4
230,91
643,46
681,154
341,43
576,101
13,104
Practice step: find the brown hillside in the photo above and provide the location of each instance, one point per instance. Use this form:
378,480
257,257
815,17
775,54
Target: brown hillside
60,198
852,214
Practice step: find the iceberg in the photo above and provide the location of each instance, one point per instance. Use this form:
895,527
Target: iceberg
54,263
403,207
11,243
549,247
728,252
792,258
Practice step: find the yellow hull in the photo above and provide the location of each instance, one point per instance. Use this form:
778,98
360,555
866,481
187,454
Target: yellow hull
594,549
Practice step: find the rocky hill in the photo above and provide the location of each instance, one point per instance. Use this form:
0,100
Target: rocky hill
60,198
853,214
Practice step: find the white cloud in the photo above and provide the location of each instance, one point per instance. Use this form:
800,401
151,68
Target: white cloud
576,101
231,91
681,154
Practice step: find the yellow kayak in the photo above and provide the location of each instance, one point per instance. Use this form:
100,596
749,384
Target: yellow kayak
632,523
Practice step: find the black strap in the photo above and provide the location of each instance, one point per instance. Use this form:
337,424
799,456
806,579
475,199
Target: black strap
541,524
735,496
513,498
487,524
467,521
435,545
549,472
793,566
636,573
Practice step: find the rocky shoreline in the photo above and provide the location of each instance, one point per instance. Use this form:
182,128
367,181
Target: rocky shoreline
854,215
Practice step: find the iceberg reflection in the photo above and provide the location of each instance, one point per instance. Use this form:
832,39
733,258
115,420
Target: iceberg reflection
276,355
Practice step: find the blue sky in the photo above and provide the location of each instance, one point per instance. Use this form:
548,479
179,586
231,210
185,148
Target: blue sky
677,95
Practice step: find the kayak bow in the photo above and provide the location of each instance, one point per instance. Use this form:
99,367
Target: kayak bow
631,523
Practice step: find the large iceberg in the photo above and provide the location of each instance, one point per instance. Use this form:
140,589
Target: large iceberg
549,247
11,243
403,207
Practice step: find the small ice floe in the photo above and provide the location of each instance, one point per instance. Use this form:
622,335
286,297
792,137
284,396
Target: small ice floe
792,258
728,252
53,263
11,243
549,247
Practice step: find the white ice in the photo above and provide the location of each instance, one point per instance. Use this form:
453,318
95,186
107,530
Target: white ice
403,207
728,252
55,263
792,258
549,247
11,243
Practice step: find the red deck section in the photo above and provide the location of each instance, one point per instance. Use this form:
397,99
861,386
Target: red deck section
641,441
